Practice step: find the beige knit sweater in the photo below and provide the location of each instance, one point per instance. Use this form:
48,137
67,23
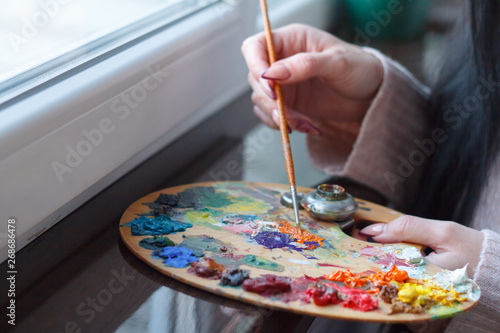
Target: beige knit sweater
373,153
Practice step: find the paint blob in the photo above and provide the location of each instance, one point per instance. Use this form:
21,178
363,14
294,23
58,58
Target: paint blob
203,217
202,243
234,277
161,225
177,257
323,295
275,240
262,263
267,285
301,236
206,268
154,243
358,299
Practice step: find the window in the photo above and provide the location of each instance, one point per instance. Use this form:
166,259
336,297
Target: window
93,104
44,38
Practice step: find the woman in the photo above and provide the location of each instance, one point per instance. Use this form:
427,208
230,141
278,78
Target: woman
433,152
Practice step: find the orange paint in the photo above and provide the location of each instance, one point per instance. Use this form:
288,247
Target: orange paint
301,236
350,279
384,278
359,280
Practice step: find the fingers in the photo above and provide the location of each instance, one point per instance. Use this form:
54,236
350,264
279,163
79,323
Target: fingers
254,50
265,117
298,68
408,229
454,245
266,109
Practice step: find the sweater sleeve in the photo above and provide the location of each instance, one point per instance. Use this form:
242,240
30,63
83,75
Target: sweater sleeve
484,317
381,153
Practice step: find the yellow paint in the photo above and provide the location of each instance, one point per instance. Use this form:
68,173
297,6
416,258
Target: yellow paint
247,205
416,294
199,217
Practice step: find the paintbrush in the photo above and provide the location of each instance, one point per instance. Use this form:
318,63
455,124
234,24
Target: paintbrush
281,112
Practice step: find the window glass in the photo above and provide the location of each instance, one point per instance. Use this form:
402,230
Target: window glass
42,38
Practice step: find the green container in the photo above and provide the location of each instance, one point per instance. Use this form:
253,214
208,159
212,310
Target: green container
388,19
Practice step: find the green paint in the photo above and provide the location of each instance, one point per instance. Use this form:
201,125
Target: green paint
262,263
209,197
203,217
441,311
326,253
200,244
228,262
230,185
154,243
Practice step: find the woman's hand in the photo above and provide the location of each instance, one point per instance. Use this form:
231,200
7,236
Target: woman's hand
323,78
454,245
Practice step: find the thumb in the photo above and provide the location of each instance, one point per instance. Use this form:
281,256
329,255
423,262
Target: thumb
409,229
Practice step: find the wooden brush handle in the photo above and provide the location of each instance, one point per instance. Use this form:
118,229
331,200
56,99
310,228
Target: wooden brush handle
279,103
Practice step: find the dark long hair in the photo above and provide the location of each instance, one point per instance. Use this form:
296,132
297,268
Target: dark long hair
467,108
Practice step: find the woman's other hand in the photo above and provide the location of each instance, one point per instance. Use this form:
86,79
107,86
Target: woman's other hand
453,244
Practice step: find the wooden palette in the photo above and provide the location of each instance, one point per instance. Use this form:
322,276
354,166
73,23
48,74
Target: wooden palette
339,251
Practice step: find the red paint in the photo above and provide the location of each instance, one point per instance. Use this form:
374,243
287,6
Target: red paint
268,285
323,295
358,299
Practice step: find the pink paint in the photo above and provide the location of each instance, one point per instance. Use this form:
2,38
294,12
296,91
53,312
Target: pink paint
390,259
238,228
382,258
371,251
231,255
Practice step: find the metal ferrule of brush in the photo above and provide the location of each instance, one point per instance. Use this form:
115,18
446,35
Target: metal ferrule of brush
293,192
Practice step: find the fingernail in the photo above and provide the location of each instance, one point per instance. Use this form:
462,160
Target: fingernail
373,230
277,72
306,127
268,88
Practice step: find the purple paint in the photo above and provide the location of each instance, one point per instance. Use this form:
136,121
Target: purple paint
275,240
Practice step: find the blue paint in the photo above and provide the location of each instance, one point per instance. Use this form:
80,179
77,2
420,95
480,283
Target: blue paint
177,257
161,225
313,244
274,240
